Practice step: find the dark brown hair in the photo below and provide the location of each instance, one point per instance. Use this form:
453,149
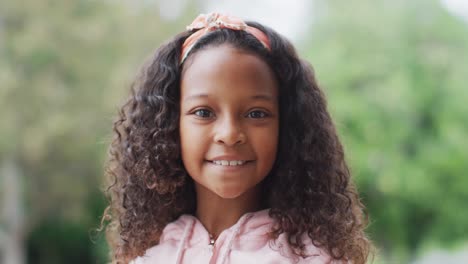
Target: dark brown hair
308,190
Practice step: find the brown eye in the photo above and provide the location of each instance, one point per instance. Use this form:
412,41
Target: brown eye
257,114
204,113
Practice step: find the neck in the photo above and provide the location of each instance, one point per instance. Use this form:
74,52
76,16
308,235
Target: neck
217,213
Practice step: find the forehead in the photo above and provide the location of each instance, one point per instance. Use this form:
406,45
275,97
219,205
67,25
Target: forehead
225,69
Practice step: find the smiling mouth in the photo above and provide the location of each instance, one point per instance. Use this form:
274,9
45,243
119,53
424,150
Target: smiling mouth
229,162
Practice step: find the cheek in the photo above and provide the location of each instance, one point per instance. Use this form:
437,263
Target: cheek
266,144
193,141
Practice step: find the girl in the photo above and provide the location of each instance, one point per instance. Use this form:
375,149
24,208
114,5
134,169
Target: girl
225,153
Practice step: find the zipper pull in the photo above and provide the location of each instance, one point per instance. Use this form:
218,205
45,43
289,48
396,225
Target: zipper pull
212,240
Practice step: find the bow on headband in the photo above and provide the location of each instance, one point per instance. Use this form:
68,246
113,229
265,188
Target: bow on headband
213,21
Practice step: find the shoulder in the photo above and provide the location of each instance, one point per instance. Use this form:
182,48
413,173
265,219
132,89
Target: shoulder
312,253
254,242
161,253
166,250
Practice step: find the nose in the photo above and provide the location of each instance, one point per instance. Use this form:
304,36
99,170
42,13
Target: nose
229,132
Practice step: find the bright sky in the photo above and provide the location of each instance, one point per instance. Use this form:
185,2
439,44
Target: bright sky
457,7
288,17
285,16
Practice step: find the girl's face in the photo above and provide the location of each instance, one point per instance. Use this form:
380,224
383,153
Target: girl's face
228,120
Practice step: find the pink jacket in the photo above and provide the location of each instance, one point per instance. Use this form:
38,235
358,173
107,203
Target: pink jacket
187,241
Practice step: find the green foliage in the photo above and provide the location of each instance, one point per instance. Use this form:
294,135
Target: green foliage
394,74
55,241
65,66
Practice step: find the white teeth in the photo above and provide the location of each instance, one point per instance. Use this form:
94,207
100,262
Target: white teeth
228,162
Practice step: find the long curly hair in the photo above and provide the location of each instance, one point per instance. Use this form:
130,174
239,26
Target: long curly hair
309,189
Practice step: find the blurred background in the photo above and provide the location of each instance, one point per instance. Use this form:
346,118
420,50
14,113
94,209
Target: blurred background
394,73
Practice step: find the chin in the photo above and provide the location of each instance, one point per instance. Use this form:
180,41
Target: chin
229,193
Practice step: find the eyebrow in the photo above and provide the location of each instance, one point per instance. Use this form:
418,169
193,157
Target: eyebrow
262,97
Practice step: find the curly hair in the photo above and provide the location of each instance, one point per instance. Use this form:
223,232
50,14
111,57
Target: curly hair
309,192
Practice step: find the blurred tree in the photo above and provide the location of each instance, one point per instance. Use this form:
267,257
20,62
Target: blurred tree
394,72
64,68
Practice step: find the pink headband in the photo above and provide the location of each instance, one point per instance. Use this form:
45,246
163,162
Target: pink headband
215,21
